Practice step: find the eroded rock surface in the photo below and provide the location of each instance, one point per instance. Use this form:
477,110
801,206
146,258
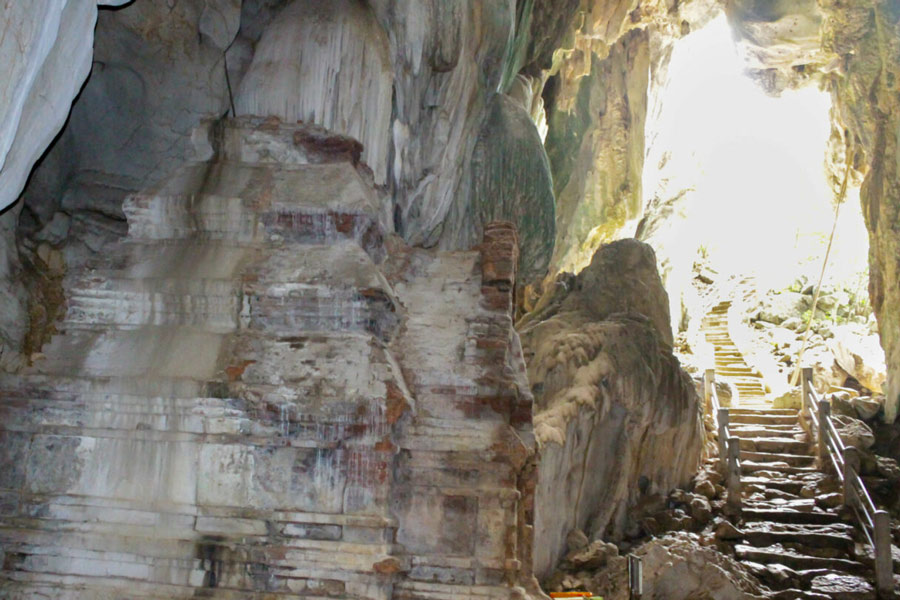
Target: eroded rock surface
616,417
255,393
46,57
675,567
326,64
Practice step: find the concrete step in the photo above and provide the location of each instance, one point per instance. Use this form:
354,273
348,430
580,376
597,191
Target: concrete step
763,418
798,504
754,430
790,516
795,560
789,486
749,466
796,460
801,539
769,411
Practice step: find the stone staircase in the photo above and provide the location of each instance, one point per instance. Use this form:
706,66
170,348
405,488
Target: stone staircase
729,362
796,539
248,398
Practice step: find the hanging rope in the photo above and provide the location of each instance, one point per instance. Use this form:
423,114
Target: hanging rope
812,315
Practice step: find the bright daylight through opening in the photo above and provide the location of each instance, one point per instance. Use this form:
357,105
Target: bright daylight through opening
750,169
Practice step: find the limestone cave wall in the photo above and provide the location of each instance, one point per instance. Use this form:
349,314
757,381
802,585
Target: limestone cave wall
453,114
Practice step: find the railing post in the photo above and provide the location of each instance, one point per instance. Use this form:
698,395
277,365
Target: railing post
851,468
722,420
635,577
734,474
709,380
824,416
884,564
806,405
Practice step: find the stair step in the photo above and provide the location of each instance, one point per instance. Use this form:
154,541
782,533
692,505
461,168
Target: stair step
769,411
760,430
810,539
763,418
790,486
796,460
774,444
749,466
790,516
798,504
778,555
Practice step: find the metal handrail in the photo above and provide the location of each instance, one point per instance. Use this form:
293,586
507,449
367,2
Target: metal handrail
845,460
729,444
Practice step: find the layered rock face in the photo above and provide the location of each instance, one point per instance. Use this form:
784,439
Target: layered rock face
256,395
615,416
326,64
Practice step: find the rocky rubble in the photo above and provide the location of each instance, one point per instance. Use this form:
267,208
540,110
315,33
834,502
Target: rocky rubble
676,566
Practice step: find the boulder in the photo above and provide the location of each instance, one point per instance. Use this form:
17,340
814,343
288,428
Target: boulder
706,489
576,540
887,468
701,511
867,407
623,278
793,323
841,404
780,307
678,566
616,418
854,432
728,532
727,393
592,556
859,355
790,399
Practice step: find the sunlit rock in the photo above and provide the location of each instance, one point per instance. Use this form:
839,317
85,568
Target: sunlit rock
860,356
596,147
854,432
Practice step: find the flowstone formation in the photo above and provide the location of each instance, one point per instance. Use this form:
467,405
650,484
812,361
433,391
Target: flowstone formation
616,418
250,396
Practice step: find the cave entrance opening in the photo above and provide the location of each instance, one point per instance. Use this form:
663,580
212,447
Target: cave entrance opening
736,179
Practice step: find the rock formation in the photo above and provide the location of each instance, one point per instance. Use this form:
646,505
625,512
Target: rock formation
46,58
297,374
616,418
337,54
255,394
